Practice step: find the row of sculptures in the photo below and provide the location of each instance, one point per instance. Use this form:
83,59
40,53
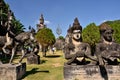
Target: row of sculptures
76,51
107,51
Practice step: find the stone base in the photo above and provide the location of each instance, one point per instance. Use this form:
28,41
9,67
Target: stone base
91,72
12,72
33,59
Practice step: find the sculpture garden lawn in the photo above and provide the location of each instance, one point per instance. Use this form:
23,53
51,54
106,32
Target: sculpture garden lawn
51,67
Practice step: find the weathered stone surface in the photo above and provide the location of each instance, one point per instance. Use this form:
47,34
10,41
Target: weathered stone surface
76,51
91,72
33,59
107,50
41,24
12,72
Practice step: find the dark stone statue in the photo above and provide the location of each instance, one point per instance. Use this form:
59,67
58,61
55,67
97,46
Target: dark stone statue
20,40
107,50
7,35
75,50
41,24
10,44
33,57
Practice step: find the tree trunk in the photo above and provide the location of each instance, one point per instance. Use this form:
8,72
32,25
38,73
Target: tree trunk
44,50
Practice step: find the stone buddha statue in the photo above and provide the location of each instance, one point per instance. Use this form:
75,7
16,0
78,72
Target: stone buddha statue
107,50
75,50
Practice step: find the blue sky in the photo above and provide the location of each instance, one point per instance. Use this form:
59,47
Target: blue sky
63,12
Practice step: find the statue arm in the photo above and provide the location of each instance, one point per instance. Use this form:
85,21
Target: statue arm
88,53
9,30
99,54
118,49
12,33
67,52
115,53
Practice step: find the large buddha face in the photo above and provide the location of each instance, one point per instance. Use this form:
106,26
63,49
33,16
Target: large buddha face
76,34
107,35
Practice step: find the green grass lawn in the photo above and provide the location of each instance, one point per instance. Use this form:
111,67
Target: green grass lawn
51,68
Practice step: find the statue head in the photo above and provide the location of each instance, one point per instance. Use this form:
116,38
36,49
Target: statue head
106,32
76,30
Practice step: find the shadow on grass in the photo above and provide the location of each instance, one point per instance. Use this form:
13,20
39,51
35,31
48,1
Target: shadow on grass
53,56
34,71
42,61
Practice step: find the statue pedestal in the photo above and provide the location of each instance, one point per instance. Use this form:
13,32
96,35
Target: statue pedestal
91,72
12,72
33,59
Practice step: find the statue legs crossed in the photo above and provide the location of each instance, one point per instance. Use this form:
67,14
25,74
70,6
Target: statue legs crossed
72,59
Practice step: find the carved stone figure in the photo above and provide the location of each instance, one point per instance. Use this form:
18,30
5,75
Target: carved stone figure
33,57
75,50
107,50
15,42
20,41
7,35
41,24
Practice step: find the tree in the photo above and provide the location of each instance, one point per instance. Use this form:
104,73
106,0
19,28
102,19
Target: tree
3,12
4,15
91,35
19,27
46,38
61,37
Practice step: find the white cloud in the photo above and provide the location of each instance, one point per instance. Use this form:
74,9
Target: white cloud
103,21
47,22
100,22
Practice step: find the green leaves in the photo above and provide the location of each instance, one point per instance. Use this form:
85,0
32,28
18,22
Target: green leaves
45,37
91,34
16,24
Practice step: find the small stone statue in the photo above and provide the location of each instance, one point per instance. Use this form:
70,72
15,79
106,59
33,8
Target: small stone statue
75,50
33,57
107,51
41,24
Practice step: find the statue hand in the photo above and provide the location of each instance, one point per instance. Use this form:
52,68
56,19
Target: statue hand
70,46
79,54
